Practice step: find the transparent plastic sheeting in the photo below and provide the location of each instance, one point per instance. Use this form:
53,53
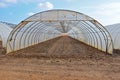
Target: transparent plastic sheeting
4,33
50,24
115,33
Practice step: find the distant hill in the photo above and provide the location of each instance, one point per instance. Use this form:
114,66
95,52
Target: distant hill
10,24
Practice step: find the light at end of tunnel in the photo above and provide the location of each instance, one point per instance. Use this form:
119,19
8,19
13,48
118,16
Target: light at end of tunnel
64,34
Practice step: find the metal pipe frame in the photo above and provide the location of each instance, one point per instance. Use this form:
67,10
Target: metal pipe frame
31,32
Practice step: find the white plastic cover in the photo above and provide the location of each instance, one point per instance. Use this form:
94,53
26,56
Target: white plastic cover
54,23
114,30
4,33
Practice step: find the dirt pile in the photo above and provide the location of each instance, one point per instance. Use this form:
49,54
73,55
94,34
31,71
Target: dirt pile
2,50
117,51
61,47
35,62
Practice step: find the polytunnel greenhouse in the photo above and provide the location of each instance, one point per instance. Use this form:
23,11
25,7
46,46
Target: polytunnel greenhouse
5,30
114,30
51,24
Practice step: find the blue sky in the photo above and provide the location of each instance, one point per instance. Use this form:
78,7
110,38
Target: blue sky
105,11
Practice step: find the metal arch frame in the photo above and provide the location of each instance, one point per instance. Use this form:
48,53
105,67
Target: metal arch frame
96,34
45,29
18,28
15,30
12,33
79,13
35,36
28,33
74,32
100,32
84,27
38,37
103,34
81,28
32,35
58,13
89,31
93,35
90,39
34,29
105,30
45,33
31,29
68,24
21,37
37,31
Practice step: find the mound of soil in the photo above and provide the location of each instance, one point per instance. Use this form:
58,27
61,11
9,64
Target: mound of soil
61,47
62,58
2,50
117,51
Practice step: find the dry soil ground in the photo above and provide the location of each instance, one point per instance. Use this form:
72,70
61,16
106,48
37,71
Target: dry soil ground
72,60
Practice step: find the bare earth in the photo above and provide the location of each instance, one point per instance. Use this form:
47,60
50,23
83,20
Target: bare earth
84,63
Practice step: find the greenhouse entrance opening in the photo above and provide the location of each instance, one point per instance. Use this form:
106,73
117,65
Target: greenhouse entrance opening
60,33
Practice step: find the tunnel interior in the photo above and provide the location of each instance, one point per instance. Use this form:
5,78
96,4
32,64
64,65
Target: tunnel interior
60,29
